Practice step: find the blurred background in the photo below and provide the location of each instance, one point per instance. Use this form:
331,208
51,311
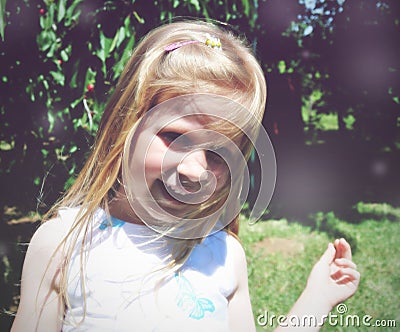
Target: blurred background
333,109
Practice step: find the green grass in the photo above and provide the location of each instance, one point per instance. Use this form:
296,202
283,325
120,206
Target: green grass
278,275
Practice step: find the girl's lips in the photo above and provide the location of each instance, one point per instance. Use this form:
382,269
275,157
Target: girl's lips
167,196
175,189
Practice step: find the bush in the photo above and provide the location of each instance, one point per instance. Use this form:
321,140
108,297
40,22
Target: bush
60,61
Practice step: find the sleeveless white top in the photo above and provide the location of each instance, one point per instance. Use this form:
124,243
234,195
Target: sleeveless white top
122,295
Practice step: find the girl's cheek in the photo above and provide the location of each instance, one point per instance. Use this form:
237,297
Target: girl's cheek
154,157
223,177
152,164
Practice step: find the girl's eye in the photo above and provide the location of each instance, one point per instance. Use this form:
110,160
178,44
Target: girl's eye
169,136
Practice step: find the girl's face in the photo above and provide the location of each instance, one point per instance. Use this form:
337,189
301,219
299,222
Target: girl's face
182,166
180,163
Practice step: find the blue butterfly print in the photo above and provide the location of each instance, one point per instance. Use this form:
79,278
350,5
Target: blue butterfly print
114,223
194,306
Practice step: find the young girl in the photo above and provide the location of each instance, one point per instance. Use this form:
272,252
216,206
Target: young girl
143,240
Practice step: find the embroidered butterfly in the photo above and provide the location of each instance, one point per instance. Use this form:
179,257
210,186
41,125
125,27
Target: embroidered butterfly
187,300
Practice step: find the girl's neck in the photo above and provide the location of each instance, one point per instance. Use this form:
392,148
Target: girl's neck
120,208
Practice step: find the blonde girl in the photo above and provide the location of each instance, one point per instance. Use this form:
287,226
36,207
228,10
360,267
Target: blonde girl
132,246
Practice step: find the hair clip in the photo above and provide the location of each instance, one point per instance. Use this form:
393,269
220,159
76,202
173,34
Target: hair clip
179,44
211,41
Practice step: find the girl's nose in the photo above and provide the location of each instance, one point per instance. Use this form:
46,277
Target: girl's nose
194,166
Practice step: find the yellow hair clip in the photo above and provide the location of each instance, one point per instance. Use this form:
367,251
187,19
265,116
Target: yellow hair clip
211,41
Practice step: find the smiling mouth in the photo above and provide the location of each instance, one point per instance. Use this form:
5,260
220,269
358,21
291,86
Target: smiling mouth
177,196
169,195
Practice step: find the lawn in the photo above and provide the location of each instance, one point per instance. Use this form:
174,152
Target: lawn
281,254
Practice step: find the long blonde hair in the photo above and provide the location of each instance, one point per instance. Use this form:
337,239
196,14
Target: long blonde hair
151,76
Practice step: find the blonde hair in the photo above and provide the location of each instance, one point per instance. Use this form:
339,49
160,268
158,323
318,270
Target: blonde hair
153,75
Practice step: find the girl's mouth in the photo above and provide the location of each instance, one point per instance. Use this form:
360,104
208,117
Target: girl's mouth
168,195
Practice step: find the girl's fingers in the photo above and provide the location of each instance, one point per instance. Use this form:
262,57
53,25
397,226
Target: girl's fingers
343,249
354,278
344,275
344,262
328,255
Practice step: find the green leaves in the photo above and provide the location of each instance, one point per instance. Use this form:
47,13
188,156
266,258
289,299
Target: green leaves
61,10
195,4
89,78
47,40
112,47
2,18
72,14
7,146
58,77
51,119
105,46
312,118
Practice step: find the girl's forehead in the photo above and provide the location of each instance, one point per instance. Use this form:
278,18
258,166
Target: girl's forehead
204,108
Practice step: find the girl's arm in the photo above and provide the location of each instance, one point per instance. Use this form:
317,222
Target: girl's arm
240,312
333,279
40,307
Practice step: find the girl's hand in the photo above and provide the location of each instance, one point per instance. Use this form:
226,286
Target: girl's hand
334,278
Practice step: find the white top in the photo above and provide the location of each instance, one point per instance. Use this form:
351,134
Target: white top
122,296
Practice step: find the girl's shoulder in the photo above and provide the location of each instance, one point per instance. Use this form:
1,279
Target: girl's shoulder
220,249
225,242
220,260
40,280
51,233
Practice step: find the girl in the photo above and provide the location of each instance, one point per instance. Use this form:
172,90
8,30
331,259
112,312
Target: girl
143,240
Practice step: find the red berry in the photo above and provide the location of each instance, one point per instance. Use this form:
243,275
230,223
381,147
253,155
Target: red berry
90,87
42,11
59,62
